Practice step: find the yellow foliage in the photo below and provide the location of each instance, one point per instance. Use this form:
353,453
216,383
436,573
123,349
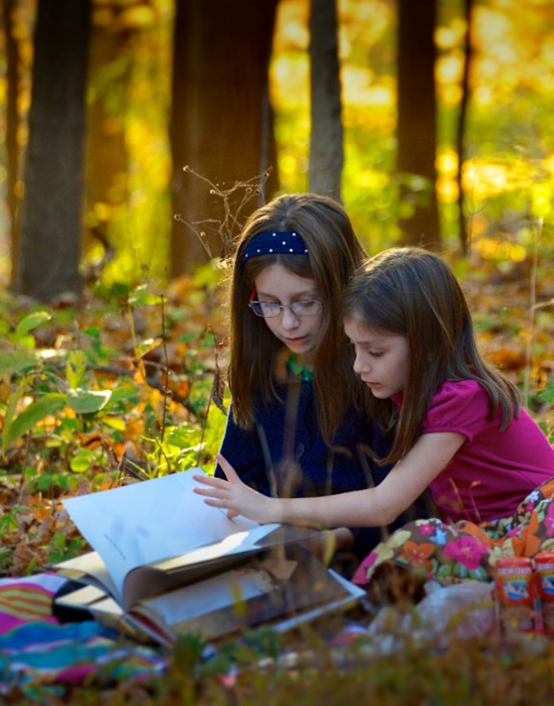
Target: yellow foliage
447,162
490,25
486,179
291,26
364,21
372,179
290,76
541,200
491,248
452,35
136,17
379,95
449,68
102,211
447,190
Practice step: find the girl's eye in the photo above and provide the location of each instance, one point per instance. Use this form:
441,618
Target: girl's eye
375,354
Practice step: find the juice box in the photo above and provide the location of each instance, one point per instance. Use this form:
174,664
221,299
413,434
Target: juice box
515,591
544,570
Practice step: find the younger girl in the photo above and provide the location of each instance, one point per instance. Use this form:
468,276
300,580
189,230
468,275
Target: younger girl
297,425
459,429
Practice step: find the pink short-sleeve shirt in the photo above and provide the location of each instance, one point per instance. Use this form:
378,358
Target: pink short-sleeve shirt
493,470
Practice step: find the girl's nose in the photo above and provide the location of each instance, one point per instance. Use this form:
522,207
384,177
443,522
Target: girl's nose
288,319
360,365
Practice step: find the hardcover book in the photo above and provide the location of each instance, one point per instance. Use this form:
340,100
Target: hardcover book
165,563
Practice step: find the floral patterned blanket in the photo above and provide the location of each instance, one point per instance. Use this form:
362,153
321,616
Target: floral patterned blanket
434,550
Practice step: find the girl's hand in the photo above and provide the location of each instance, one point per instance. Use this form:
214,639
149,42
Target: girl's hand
236,497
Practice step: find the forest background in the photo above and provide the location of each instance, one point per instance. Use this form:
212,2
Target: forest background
139,134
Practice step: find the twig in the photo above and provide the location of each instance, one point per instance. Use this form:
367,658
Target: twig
532,309
230,223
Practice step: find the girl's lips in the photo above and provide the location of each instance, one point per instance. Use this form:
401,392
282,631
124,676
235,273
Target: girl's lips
296,340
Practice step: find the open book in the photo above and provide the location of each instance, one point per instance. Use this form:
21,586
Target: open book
166,563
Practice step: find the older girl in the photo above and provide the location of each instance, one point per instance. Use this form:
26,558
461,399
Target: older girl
298,425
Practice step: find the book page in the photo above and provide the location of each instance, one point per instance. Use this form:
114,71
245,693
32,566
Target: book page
282,591
153,520
91,565
223,590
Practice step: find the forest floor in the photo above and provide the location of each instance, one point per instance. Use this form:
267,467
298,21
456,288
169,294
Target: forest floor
126,385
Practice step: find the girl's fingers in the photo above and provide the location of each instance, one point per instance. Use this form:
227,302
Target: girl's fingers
211,481
206,492
229,471
220,504
216,491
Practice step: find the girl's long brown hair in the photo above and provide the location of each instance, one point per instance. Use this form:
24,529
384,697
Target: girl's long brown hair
413,292
334,255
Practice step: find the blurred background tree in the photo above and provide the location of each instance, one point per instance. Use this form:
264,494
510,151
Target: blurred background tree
416,127
221,123
441,108
49,244
326,132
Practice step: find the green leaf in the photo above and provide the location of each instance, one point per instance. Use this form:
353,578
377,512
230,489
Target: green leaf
75,368
30,322
15,361
9,416
82,461
114,422
59,540
88,401
148,345
141,297
181,437
51,403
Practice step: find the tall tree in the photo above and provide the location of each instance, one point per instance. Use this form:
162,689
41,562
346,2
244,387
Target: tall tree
326,135
417,122
462,122
221,123
13,64
51,211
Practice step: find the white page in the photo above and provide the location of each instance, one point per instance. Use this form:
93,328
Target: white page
152,520
220,591
92,565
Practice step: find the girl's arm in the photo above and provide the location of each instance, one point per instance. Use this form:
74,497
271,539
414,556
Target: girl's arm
372,507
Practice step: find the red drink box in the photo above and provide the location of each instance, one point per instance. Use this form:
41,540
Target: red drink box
515,590
544,569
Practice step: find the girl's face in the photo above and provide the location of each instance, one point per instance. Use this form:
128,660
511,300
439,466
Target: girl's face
300,334
382,357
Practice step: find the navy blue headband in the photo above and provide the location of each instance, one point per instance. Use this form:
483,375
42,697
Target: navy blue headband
275,241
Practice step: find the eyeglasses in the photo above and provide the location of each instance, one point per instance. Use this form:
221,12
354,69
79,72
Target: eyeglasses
268,310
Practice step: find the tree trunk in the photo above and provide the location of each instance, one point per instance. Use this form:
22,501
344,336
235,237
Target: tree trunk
326,136
417,123
51,211
12,123
221,126
462,121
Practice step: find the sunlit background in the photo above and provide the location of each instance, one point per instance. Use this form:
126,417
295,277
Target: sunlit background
507,178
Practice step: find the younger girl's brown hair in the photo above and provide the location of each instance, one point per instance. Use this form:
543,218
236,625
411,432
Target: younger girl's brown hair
413,292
